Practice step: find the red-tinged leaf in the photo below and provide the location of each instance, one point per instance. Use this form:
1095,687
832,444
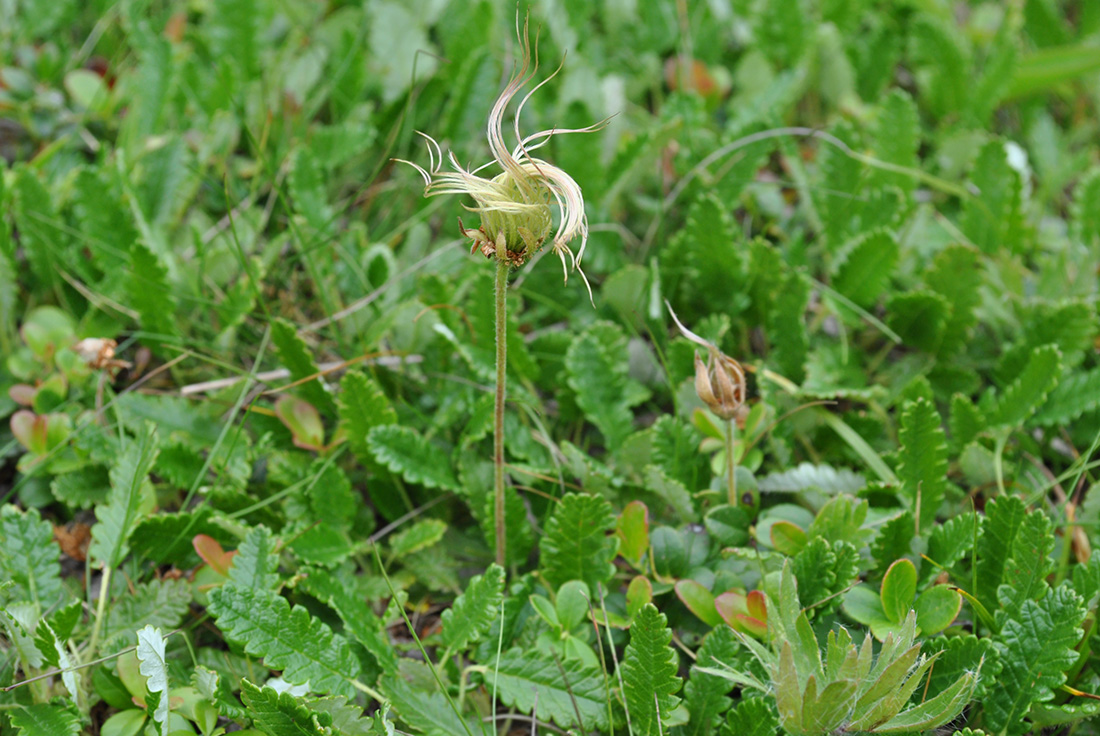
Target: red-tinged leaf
303,421
30,430
22,394
757,604
752,626
212,553
730,604
699,601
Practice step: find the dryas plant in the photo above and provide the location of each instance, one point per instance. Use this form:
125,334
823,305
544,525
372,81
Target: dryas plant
850,690
516,219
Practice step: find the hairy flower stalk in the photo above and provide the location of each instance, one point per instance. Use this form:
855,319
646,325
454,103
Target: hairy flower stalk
516,210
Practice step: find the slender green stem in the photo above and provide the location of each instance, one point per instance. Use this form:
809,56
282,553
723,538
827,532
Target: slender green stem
731,463
998,461
100,609
498,407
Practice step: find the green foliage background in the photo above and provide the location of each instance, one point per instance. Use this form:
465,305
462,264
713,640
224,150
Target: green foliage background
887,210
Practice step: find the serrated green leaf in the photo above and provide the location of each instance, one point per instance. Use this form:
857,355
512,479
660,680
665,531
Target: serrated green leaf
526,679
1019,400
29,558
893,540
129,498
825,569
405,451
671,491
232,29
706,696
150,292
786,328
419,536
941,52
256,564
325,523
1075,394
649,672
966,421
807,475
161,603
1086,581
426,711
473,612
919,317
287,638
519,535
1036,647
154,77
150,653
1003,517
841,520
957,655
635,154
675,448
867,266
597,374
56,654
843,180
1070,326
43,242
295,355
106,226
348,719
1086,208
993,219
751,717
1028,563
897,138
279,714
706,265
307,189
956,275
45,720
167,537
575,544
349,602
362,406
923,460
1046,715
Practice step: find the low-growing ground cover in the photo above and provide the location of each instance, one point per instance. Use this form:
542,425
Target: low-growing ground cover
812,455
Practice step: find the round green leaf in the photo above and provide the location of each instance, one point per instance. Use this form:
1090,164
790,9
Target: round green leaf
124,723
864,605
899,587
788,538
936,608
633,529
729,525
669,553
638,593
572,603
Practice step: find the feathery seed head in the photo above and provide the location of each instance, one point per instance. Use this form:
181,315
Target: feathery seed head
515,206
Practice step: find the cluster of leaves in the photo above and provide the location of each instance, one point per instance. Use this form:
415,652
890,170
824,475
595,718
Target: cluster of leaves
271,514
